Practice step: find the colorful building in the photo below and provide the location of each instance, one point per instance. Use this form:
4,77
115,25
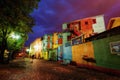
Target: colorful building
85,42
55,40
113,22
45,47
86,26
36,48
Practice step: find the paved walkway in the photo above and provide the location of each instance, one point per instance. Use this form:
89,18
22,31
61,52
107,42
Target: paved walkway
23,69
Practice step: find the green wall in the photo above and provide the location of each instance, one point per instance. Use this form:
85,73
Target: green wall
102,53
53,55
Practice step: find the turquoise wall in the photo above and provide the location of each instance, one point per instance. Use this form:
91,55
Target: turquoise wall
60,52
65,37
67,51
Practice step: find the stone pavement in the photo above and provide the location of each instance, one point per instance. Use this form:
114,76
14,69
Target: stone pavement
24,69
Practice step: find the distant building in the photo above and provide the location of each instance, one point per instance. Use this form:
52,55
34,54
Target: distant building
36,48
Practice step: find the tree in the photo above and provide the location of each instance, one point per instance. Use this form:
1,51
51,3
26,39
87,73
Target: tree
14,17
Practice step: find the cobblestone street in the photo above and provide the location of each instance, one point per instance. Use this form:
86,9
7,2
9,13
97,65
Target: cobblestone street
23,69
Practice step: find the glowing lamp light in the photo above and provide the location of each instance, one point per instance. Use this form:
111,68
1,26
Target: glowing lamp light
27,50
15,36
36,47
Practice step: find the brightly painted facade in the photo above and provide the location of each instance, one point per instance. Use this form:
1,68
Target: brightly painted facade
71,45
44,47
87,26
67,53
81,51
103,55
36,48
113,22
55,40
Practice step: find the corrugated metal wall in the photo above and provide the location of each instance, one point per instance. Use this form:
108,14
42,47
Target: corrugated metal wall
65,37
60,52
103,55
53,55
67,52
46,55
85,49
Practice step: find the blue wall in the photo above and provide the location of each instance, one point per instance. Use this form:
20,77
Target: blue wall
67,51
60,53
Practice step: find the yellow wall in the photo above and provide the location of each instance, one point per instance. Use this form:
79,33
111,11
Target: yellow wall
41,54
114,22
54,40
36,50
78,51
46,56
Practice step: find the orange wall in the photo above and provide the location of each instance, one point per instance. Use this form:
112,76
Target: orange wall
87,28
78,51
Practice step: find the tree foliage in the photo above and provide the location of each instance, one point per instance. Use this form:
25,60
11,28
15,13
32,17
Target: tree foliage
14,17
12,12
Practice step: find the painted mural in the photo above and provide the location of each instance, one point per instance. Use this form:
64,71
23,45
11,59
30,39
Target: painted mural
102,50
87,26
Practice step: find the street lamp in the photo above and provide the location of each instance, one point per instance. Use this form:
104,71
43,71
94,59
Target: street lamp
27,50
36,47
15,36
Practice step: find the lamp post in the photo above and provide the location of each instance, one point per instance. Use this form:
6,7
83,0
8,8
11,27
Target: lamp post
36,47
15,36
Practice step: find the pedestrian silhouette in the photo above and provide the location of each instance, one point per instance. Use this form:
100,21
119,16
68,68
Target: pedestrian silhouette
32,57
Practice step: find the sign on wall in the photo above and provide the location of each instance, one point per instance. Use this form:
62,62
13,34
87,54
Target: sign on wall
78,40
115,47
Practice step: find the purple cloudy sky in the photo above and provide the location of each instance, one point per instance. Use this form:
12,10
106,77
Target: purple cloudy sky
51,14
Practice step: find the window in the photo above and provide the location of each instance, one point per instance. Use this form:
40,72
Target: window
86,23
